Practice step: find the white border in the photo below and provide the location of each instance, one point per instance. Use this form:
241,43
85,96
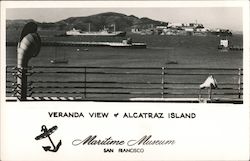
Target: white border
122,4
222,114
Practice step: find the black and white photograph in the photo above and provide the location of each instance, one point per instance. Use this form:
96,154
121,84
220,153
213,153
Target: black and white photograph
124,80
125,54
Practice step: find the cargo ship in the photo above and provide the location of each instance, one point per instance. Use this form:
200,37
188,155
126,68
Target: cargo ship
221,32
104,32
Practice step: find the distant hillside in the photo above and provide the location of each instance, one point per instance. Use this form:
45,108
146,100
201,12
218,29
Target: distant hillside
17,23
97,22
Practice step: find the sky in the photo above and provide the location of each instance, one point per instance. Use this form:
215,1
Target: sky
210,17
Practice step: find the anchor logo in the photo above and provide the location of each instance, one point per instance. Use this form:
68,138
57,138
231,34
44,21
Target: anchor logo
46,134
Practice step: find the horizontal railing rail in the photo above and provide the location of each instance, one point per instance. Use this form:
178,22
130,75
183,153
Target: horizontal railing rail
126,83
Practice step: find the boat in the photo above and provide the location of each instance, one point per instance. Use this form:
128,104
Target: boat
104,32
75,32
221,32
59,61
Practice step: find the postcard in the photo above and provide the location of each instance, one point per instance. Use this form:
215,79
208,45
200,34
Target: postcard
124,80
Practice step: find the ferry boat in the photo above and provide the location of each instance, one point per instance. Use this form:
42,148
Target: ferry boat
104,32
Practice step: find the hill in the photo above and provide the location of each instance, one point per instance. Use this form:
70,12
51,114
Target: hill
97,22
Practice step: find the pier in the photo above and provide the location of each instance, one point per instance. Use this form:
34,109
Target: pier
86,44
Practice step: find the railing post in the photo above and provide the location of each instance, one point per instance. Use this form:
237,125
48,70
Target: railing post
85,82
239,83
21,83
162,81
210,93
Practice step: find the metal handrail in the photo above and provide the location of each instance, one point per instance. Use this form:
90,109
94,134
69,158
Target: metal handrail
160,85
128,67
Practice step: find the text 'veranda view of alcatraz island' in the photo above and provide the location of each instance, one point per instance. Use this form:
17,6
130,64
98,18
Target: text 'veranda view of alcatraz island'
176,57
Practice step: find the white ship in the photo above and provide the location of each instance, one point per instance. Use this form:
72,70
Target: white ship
104,32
